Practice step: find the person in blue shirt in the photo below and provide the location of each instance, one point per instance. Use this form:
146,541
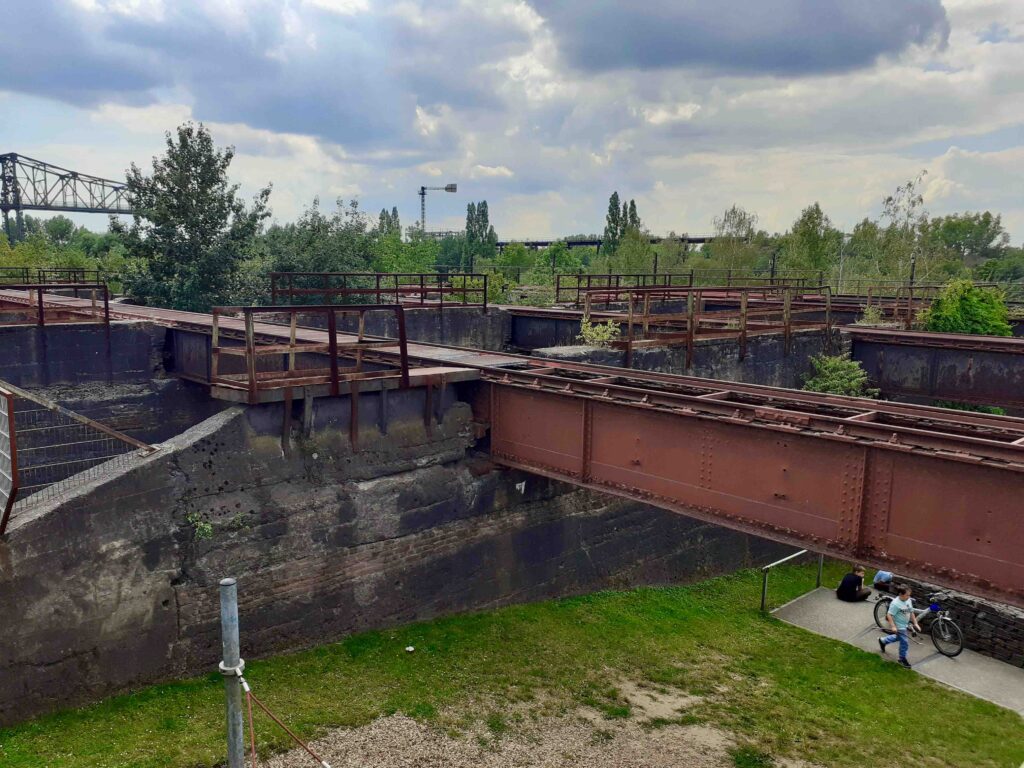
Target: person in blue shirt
882,581
900,616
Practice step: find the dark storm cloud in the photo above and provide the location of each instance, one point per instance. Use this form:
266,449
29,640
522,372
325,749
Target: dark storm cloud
784,37
49,49
353,79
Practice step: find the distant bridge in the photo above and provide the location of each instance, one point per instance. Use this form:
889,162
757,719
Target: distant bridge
32,185
597,241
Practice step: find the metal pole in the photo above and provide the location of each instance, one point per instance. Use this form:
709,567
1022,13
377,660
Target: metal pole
231,667
821,566
764,589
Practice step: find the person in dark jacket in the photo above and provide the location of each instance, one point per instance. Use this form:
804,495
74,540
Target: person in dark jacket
851,588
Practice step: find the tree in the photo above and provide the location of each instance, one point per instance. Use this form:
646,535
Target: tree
60,230
973,237
963,307
481,239
191,230
813,243
838,375
613,225
388,223
632,218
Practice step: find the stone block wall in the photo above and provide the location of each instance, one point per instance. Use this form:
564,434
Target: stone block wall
993,629
116,587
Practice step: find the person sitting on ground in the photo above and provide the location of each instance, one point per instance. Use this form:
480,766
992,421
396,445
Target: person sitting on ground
882,581
900,616
851,588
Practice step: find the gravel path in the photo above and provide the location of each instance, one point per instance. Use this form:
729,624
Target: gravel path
400,742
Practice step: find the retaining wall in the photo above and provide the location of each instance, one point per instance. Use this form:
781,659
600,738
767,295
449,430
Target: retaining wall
766,361
115,586
993,629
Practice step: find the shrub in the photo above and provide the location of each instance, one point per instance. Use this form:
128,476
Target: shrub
963,307
839,375
872,316
598,334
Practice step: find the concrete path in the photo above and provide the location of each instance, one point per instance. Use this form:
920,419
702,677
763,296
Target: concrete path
978,675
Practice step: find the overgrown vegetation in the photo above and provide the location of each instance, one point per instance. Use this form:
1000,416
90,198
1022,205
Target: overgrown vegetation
196,243
872,315
838,375
782,691
598,334
963,307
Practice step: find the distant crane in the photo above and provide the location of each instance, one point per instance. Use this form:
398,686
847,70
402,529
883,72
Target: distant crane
32,185
423,201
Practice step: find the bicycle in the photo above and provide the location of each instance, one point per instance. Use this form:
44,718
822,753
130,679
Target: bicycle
946,634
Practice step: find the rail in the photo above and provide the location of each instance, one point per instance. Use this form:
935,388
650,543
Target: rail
786,559
37,309
270,364
47,450
23,275
423,289
761,309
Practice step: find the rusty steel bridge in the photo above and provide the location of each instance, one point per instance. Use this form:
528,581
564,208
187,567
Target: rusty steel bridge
929,492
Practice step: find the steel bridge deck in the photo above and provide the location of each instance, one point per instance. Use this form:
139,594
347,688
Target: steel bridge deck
928,492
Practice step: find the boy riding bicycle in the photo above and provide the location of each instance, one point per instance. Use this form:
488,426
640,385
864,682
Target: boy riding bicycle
900,616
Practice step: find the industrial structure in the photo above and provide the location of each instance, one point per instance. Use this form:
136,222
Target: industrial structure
32,185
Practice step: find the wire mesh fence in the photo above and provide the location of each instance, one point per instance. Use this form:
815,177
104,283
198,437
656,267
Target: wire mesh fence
48,451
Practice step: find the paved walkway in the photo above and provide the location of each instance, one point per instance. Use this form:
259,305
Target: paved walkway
978,675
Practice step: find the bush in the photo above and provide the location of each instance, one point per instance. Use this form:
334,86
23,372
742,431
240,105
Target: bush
963,307
598,334
872,316
839,375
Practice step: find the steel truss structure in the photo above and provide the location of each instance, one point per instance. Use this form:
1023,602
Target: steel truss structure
32,185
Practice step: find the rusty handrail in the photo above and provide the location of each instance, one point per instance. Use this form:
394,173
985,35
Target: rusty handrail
290,377
390,286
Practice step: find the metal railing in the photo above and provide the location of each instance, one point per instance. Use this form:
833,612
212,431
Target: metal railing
786,559
47,450
33,307
23,275
268,364
669,316
423,289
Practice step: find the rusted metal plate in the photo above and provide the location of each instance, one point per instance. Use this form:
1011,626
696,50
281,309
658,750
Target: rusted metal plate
985,370
8,458
935,516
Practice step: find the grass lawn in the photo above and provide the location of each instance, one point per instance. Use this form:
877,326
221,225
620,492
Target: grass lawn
782,691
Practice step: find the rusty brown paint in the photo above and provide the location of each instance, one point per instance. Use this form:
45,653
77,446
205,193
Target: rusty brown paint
956,524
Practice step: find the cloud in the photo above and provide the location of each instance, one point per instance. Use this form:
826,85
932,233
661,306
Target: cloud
492,171
784,37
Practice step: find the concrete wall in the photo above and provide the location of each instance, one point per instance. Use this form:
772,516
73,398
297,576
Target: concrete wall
456,326
113,588
80,353
766,361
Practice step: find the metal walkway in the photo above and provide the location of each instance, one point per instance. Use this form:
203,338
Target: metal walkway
928,492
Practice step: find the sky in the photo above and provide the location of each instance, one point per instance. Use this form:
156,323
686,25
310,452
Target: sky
541,107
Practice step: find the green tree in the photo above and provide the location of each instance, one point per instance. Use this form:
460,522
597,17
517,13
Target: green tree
613,225
59,230
838,375
963,307
191,230
632,218
812,243
973,237
481,239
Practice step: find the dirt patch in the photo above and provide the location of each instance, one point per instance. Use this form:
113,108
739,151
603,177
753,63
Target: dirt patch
656,702
401,742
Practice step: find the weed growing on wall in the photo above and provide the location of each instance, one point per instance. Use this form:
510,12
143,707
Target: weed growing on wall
839,375
598,334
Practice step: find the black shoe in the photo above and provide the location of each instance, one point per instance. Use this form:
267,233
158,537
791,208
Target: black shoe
881,645
904,663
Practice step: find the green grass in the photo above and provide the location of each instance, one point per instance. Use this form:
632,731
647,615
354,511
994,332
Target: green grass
780,690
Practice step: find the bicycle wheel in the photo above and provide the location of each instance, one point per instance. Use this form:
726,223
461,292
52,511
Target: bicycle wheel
948,639
881,611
